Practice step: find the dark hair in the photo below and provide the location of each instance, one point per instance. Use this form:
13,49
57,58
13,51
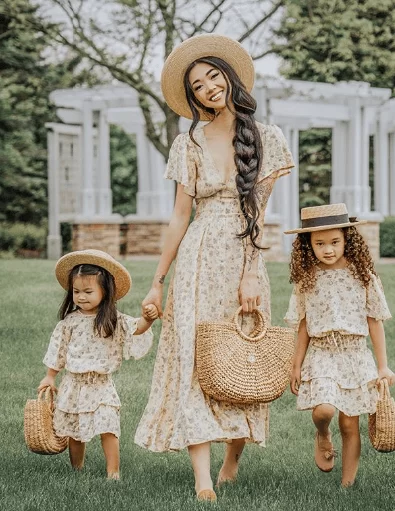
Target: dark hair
304,262
106,317
246,142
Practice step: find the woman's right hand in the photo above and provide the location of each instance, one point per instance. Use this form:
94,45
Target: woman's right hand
47,381
295,380
154,297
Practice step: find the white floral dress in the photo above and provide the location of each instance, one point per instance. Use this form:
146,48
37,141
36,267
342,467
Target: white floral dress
339,368
87,402
204,287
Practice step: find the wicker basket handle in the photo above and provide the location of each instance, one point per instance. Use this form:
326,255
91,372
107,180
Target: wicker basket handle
47,395
262,321
384,390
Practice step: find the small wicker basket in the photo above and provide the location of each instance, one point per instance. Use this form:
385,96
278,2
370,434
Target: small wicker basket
382,423
40,436
238,368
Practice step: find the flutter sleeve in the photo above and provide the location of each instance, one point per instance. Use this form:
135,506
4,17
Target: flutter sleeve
296,309
181,166
276,158
134,346
376,304
55,358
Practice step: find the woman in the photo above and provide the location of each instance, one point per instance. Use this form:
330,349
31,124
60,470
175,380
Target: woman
229,167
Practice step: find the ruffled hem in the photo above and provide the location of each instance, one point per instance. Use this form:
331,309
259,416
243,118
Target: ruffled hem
84,426
86,392
351,402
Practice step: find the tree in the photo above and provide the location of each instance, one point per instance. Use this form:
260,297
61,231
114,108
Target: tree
331,41
26,80
127,37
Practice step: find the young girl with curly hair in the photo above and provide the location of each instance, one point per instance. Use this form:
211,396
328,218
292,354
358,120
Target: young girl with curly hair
337,301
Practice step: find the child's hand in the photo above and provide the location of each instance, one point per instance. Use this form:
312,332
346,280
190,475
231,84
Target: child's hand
47,381
295,380
386,373
150,312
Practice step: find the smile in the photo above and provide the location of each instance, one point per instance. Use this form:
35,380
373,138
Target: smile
216,96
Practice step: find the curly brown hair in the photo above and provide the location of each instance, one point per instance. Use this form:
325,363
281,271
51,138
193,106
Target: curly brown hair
304,262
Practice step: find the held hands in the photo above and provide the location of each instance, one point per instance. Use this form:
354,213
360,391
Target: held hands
250,292
295,380
386,372
150,312
154,297
47,381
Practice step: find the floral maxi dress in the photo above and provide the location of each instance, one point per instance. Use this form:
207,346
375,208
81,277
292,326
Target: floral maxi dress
204,287
87,403
338,368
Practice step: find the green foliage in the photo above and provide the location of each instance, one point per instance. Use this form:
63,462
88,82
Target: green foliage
26,80
331,41
387,237
124,178
20,238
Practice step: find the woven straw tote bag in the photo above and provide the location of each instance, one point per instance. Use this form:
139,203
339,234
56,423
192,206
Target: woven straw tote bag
40,436
382,423
238,368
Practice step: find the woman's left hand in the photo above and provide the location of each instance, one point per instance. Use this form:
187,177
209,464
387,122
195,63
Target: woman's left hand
386,372
250,293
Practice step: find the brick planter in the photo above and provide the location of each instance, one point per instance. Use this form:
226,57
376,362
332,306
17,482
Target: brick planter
104,236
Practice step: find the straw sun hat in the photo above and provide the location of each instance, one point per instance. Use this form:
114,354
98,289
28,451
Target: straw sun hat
205,45
323,218
121,276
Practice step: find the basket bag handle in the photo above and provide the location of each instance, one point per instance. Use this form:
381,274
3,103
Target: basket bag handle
384,390
46,394
262,322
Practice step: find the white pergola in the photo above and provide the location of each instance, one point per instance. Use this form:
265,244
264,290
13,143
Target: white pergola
79,163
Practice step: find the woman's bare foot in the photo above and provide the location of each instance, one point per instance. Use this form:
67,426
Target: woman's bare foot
227,475
113,475
230,466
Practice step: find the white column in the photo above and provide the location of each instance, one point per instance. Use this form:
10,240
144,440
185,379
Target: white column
339,162
392,174
366,119
104,193
381,171
54,240
88,192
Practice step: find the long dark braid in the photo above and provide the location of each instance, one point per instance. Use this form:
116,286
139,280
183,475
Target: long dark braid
246,142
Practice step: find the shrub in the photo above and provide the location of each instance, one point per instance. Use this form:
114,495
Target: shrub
23,239
387,237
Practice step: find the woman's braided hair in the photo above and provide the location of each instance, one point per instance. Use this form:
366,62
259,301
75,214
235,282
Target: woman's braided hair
246,142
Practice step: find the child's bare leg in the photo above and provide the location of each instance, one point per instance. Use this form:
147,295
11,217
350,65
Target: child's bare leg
349,429
110,444
322,416
76,453
230,465
200,459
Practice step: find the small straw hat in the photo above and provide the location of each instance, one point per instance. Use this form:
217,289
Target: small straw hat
123,281
205,45
323,218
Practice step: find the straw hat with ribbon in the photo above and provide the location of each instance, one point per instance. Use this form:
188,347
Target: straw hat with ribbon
205,45
121,276
323,218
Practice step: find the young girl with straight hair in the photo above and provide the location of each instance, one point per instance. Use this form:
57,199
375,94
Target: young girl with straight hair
337,301
89,342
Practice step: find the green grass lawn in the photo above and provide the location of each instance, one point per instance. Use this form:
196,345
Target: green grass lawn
280,477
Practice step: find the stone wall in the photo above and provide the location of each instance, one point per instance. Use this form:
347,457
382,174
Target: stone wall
144,237
97,236
371,233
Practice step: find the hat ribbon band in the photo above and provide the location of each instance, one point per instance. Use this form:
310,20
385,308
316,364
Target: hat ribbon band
325,220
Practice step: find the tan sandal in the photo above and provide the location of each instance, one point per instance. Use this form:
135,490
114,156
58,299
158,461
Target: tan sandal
207,495
324,454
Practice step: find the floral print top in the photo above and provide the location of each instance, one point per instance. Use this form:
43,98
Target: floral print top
75,347
338,303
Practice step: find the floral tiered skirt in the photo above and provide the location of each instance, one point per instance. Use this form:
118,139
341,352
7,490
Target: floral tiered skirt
339,370
87,405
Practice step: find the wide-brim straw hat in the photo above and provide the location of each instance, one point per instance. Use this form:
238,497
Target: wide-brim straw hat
323,218
123,280
194,48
